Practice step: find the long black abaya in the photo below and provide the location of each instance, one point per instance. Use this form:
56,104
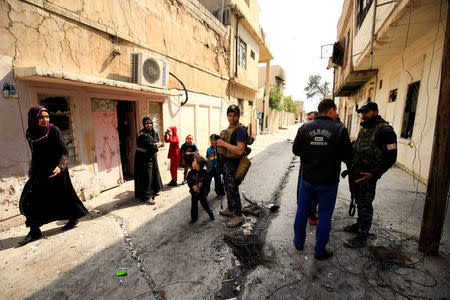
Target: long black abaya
147,179
45,199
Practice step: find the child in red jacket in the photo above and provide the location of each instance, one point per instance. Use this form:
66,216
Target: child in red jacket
170,136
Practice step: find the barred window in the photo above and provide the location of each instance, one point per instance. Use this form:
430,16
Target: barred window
59,112
242,54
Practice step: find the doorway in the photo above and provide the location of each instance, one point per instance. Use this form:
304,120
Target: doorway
126,127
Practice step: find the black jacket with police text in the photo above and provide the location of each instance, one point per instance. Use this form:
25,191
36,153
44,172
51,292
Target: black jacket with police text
322,145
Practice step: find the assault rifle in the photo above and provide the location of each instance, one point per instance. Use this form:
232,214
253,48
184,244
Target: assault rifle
352,185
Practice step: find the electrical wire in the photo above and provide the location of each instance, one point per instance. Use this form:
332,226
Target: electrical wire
406,41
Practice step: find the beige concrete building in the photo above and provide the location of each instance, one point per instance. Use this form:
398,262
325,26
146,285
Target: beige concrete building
248,48
391,53
270,76
75,57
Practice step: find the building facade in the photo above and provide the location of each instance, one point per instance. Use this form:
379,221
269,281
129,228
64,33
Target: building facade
391,53
75,58
248,48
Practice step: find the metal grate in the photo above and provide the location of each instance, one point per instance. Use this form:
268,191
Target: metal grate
409,114
134,67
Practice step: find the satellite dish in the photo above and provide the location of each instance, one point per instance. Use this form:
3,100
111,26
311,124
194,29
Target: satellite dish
151,70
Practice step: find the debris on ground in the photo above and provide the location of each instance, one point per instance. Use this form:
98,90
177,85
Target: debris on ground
253,209
388,254
246,247
122,271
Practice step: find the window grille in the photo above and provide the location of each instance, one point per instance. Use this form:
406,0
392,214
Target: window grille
409,114
59,112
242,54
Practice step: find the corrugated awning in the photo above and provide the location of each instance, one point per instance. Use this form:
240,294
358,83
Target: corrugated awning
40,74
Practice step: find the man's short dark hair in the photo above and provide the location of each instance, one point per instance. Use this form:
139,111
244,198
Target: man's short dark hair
325,105
311,112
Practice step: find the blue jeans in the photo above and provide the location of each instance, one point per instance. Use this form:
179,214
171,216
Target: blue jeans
326,196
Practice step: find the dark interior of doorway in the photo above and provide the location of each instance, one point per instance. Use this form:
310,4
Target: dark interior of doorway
126,126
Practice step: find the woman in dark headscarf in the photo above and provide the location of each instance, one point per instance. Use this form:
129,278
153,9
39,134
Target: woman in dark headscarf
147,180
48,194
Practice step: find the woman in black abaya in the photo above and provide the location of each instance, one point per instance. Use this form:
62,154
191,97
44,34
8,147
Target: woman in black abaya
147,180
48,194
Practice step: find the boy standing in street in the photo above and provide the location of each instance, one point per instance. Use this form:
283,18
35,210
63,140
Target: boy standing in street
188,151
215,170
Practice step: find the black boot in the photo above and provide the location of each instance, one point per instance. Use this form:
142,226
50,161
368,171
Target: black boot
34,234
71,224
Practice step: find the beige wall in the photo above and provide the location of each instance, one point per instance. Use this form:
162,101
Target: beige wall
424,66
248,76
279,119
363,35
249,8
50,40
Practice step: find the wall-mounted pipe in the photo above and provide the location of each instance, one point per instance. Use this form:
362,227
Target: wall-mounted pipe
374,20
236,50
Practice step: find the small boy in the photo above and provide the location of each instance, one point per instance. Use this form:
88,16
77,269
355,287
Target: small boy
214,169
188,151
199,182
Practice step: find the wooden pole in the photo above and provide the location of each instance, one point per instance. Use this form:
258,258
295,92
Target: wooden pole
266,97
439,177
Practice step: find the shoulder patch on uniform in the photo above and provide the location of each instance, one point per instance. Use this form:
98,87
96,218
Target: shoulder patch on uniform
391,146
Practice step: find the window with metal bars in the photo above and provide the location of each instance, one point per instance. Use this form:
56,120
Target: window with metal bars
409,114
59,112
242,54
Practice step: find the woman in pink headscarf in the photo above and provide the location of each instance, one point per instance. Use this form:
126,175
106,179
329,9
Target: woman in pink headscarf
48,195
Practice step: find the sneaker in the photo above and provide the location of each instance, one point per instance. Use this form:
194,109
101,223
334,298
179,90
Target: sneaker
235,221
184,182
151,201
172,183
313,222
355,243
351,228
226,212
327,255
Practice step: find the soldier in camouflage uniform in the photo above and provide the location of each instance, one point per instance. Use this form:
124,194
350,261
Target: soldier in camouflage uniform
375,151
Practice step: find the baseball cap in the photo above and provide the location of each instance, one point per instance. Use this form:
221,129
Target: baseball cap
367,106
233,108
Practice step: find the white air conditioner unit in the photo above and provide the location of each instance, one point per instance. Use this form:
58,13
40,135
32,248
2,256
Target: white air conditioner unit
148,70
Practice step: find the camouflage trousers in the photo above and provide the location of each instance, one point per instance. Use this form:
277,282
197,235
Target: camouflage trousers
231,185
364,195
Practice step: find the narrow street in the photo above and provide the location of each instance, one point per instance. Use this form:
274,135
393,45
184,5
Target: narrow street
168,258
165,255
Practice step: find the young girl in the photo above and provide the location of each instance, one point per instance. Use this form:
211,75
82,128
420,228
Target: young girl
198,181
188,151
